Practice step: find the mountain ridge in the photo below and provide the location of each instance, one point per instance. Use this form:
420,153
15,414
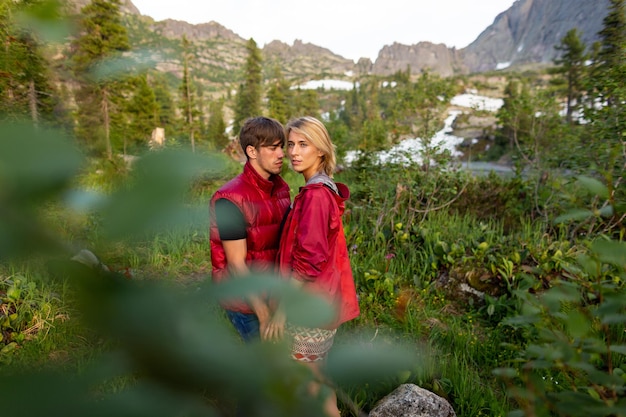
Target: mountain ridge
528,31
525,33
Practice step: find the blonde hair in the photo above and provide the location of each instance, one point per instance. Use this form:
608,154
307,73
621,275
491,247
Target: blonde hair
315,132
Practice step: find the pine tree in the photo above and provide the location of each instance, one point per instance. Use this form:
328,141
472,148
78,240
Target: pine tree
306,102
515,115
570,65
353,111
401,103
143,109
166,112
613,35
418,108
531,124
248,100
216,128
375,132
102,36
429,107
25,87
605,111
280,97
609,67
189,103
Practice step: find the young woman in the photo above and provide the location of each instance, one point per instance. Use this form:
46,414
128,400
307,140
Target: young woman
313,251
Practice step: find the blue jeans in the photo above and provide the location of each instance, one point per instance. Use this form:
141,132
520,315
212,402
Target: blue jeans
247,325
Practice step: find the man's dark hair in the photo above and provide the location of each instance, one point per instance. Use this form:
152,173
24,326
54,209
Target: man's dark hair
261,131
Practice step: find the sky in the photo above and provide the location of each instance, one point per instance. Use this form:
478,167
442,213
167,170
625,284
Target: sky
350,28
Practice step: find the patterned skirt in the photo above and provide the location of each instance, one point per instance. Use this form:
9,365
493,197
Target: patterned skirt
310,344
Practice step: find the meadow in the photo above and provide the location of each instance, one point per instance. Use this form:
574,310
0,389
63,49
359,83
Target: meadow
502,295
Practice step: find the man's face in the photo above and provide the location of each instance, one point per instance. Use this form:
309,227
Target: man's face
268,159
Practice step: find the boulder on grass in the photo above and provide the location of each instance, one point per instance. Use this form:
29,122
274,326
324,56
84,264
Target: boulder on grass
409,400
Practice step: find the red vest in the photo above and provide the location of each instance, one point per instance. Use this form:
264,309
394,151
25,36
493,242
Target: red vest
263,204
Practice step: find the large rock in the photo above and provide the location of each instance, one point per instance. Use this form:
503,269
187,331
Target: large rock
528,31
524,34
423,56
302,59
176,29
409,400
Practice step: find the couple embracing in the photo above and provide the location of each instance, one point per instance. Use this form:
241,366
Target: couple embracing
254,228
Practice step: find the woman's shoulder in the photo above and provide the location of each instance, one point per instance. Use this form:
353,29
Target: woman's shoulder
317,189
339,190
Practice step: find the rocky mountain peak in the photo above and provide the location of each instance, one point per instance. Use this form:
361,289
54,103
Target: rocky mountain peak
171,28
299,48
528,31
422,56
525,33
304,58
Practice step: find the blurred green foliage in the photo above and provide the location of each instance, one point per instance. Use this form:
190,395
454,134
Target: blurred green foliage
169,341
541,253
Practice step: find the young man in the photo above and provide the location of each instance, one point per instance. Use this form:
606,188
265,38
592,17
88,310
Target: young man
245,217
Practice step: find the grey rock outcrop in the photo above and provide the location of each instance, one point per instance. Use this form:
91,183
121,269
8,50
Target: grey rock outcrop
437,58
528,31
176,29
409,400
304,58
364,66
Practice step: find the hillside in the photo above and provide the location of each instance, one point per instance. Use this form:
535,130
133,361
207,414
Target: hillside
218,54
528,31
524,34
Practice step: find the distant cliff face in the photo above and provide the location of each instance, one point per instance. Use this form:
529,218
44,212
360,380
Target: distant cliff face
303,59
170,28
526,33
437,58
218,54
529,30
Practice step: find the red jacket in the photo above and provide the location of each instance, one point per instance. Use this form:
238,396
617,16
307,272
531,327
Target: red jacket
263,204
313,248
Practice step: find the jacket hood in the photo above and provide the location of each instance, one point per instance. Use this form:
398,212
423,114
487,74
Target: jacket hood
341,190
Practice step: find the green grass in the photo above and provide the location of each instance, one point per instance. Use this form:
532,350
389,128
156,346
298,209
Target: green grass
47,329
182,257
407,267
450,350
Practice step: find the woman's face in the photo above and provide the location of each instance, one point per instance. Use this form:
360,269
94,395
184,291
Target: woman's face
305,158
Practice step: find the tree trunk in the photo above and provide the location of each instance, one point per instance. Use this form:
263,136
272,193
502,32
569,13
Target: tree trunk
32,102
190,115
107,123
570,98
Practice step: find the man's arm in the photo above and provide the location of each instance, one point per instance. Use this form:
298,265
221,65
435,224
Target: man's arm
235,252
